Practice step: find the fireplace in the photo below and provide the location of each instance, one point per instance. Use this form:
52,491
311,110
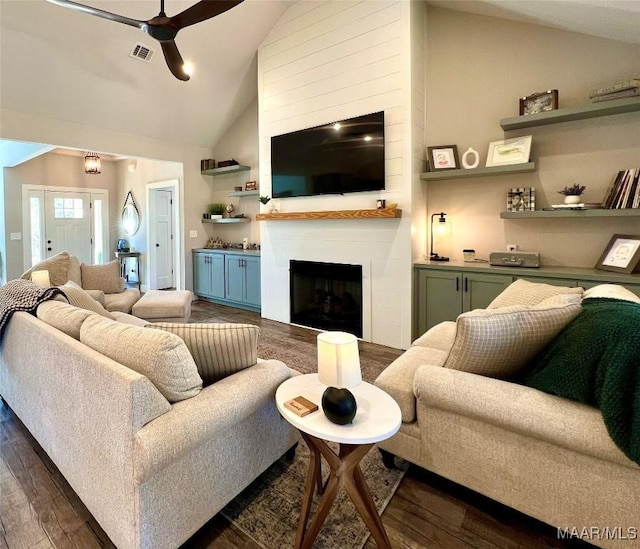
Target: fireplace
327,296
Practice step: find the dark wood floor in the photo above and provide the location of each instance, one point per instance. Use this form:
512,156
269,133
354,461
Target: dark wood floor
38,509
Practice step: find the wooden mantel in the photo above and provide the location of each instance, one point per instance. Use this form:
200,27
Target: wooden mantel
385,213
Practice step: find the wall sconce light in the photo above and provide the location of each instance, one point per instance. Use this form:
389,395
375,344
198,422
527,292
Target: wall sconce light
92,163
442,229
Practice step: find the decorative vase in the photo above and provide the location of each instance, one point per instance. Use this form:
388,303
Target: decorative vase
470,159
339,405
572,199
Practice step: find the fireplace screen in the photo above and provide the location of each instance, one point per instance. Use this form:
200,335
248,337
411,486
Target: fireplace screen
327,296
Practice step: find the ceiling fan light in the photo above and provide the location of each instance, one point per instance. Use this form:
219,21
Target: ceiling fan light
188,68
92,163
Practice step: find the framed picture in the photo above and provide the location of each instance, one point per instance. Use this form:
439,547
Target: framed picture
509,151
250,186
444,157
521,199
539,102
621,255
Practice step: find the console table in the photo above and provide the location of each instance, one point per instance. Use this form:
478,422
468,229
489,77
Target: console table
129,272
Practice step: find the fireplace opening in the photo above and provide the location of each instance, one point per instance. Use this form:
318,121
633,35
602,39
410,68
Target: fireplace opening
326,296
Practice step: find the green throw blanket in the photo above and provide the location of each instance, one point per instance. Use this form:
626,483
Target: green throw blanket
596,360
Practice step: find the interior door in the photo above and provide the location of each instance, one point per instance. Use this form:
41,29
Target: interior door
68,224
163,206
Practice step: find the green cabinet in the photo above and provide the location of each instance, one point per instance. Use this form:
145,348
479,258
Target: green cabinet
229,278
443,294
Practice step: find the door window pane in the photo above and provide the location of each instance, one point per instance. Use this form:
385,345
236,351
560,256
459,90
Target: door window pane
98,237
36,230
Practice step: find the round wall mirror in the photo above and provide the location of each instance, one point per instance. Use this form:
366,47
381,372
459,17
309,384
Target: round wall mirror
130,219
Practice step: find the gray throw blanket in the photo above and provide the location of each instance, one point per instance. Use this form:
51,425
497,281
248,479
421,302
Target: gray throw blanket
22,295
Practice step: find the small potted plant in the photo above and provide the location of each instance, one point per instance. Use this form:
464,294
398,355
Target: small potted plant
572,194
216,210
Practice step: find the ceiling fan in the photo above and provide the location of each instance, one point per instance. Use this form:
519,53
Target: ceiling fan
161,27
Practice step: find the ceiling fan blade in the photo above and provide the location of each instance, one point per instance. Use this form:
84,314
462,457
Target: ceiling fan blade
174,59
100,13
203,10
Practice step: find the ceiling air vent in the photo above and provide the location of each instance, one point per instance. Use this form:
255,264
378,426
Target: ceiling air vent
142,52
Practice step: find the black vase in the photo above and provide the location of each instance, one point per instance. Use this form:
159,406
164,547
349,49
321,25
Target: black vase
339,405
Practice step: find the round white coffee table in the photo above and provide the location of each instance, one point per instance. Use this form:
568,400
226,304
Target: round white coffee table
377,418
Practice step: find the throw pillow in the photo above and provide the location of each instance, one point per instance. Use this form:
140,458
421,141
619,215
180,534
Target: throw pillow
63,317
79,298
528,294
501,342
218,350
160,356
103,277
611,291
57,265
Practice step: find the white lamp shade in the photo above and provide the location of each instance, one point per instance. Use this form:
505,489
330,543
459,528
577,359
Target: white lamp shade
41,278
338,360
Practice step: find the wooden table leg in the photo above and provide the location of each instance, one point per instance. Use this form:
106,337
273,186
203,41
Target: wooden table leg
344,470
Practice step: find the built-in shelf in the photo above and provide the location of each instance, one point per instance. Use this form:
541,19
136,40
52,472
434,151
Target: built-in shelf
226,170
385,213
631,212
244,193
228,220
593,110
479,172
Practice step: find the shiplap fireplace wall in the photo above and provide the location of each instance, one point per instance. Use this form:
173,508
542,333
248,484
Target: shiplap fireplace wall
326,61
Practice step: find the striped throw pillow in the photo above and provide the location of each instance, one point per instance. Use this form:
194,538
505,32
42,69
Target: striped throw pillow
218,350
501,342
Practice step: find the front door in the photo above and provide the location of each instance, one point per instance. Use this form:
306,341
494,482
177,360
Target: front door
68,224
163,244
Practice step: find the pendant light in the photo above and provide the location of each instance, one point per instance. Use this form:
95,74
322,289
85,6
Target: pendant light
92,163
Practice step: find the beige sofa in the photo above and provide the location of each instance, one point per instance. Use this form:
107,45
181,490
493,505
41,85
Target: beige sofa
102,282
544,455
153,456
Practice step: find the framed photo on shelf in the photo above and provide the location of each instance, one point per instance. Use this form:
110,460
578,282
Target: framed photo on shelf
444,157
509,151
521,199
539,102
250,186
621,255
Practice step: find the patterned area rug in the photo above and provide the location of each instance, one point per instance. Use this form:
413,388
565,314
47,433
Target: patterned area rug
268,510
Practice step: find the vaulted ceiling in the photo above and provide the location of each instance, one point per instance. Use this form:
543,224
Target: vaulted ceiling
67,65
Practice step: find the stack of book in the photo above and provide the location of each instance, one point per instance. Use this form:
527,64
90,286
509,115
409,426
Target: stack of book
624,191
617,90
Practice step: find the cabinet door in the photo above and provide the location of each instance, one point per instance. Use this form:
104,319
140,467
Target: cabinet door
438,298
201,274
480,289
252,281
216,267
234,283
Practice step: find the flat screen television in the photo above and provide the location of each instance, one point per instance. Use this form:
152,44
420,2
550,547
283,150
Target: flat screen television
341,157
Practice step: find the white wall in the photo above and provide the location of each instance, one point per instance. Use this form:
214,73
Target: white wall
326,61
477,68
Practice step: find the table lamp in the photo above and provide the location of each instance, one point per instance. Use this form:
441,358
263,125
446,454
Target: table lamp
440,229
41,278
339,369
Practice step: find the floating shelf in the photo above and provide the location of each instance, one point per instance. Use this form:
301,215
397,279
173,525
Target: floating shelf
226,170
386,213
630,212
593,110
228,220
244,193
479,172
